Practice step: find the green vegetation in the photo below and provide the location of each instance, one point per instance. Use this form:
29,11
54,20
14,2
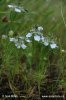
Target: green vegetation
33,46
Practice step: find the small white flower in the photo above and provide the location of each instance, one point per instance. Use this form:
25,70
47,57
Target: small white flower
17,10
4,36
37,38
11,39
29,35
40,28
27,40
23,46
10,6
53,45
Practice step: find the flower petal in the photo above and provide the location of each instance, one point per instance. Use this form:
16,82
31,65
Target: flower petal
53,45
28,41
37,38
10,6
23,46
29,35
17,10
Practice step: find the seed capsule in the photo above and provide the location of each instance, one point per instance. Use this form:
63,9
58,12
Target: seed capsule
4,19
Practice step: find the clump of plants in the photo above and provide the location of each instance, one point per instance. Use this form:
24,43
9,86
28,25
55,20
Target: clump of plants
32,61
32,54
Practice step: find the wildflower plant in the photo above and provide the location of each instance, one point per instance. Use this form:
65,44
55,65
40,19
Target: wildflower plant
29,52
35,46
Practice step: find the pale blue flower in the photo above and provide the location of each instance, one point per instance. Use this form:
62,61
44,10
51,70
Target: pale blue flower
23,46
37,38
29,35
17,10
53,45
